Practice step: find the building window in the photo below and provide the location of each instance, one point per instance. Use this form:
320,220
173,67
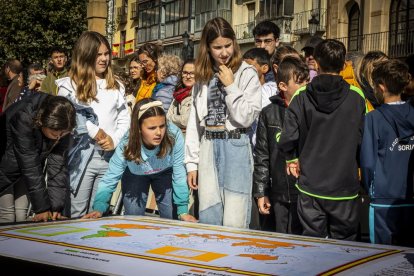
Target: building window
176,17
401,28
209,9
148,21
272,9
353,29
122,44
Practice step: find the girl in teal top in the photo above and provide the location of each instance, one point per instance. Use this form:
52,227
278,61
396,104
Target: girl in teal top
152,153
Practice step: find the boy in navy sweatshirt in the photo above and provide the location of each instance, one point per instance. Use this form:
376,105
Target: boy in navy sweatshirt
387,158
321,133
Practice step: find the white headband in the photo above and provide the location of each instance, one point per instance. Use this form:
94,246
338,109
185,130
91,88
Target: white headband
147,106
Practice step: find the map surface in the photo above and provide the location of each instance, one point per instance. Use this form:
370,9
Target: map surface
149,246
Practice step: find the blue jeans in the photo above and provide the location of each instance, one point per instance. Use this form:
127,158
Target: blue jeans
225,181
135,190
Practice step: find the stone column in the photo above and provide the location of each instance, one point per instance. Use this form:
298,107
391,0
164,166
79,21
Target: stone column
96,14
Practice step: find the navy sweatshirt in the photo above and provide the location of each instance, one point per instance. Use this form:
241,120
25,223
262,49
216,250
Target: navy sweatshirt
387,155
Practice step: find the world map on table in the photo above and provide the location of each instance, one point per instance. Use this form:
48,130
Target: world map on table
192,249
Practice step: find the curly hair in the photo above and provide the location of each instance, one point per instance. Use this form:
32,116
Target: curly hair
170,65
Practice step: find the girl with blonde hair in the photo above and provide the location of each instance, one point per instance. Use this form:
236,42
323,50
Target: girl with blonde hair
226,101
102,117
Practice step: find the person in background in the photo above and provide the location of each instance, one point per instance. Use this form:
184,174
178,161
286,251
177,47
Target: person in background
3,88
260,59
58,70
364,76
179,111
309,57
102,115
135,74
169,67
225,104
266,35
272,187
151,154
148,57
408,94
34,143
387,153
12,69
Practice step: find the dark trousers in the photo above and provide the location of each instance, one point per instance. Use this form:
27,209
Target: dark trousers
391,224
286,217
336,219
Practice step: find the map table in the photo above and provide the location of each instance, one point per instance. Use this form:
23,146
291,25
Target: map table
135,245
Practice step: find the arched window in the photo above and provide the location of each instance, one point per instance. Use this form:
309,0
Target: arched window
401,28
353,29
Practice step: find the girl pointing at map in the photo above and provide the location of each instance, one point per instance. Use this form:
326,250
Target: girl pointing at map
152,153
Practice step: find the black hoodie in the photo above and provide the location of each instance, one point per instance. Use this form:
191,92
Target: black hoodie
323,128
387,154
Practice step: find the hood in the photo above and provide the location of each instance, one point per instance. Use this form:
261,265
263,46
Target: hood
170,80
327,92
400,117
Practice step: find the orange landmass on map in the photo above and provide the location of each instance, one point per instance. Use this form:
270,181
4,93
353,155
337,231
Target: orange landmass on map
259,243
131,226
116,234
259,257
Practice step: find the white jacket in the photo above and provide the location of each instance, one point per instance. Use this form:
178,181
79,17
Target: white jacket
110,108
243,102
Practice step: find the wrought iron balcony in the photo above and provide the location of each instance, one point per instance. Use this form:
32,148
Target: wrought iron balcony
395,45
300,24
245,31
121,15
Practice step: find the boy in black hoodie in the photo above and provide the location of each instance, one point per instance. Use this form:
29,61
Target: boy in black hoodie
321,134
387,158
272,187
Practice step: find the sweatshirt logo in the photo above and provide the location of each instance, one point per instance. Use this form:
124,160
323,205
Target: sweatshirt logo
402,147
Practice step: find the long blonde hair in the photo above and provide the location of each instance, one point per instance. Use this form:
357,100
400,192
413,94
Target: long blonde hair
82,69
213,29
367,65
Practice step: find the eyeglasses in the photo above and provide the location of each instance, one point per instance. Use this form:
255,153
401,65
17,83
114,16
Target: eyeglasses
188,74
266,41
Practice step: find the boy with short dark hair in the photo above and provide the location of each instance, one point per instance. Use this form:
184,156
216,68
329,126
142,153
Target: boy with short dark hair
387,157
266,36
321,134
260,59
271,186
57,61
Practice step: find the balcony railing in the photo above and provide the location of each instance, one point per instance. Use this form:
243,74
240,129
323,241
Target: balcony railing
202,18
134,11
395,45
121,15
245,31
300,24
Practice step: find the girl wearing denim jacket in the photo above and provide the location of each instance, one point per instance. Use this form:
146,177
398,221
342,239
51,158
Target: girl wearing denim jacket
101,107
152,153
226,101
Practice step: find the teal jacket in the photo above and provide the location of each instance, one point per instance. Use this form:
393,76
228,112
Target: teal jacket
151,165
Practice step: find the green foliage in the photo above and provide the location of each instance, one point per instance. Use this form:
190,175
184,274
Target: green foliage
30,28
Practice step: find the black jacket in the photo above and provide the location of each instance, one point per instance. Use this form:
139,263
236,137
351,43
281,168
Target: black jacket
269,177
23,153
324,123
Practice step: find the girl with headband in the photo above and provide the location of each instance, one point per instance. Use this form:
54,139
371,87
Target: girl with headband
152,153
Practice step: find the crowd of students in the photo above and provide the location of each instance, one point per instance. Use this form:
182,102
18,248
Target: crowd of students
267,133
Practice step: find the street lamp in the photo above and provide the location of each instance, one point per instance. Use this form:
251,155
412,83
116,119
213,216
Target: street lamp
187,50
313,24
